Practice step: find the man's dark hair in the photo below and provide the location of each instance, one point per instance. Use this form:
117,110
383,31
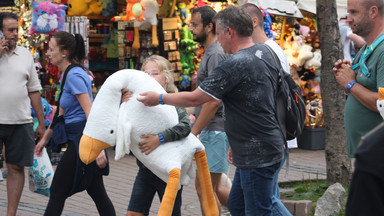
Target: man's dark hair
235,18
378,3
254,11
207,15
7,15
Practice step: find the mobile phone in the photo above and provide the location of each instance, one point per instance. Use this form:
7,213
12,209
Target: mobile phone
2,35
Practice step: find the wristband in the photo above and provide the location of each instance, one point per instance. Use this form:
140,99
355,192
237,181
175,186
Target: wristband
161,138
350,85
161,99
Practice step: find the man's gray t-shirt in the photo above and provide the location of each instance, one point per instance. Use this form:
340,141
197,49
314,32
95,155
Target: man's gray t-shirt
247,83
213,55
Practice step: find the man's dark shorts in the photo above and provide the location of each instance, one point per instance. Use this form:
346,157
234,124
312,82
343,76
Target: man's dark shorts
19,143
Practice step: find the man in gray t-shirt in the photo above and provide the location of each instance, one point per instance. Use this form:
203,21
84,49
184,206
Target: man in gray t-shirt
209,124
247,84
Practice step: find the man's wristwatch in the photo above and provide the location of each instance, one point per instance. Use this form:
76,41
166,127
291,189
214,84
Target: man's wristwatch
350,85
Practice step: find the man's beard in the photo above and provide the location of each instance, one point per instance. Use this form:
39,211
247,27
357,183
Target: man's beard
363,28
201,38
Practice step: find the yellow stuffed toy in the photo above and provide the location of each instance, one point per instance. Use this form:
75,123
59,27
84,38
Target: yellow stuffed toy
84,7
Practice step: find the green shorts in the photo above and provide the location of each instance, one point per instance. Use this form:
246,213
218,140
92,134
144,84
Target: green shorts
216,147
19,142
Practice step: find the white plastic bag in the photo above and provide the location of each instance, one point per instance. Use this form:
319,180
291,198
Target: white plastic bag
41,174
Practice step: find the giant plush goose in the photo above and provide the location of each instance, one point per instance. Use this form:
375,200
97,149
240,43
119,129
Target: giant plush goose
110,124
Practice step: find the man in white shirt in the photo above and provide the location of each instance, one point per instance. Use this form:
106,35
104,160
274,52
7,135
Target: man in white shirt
349,40
19,88
259,36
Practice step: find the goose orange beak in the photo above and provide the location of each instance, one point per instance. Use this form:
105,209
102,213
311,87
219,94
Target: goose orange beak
90,148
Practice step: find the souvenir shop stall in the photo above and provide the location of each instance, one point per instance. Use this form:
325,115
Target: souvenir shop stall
295,31
118,35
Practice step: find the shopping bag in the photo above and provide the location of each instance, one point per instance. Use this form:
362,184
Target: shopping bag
41,174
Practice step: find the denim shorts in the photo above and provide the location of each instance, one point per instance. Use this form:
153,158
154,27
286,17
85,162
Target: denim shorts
144,189
216,147
19,142
252,191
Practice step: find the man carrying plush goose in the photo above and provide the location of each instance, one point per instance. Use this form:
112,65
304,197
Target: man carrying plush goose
110,124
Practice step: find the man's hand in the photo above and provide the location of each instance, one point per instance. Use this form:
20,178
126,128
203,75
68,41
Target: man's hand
150,143
101,160
338,64
149,98
345,75
125,95
39,147
40,131
3,47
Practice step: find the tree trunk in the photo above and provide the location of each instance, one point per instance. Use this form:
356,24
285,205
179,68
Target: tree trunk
337,162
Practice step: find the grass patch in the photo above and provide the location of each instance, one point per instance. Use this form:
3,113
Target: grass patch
307,190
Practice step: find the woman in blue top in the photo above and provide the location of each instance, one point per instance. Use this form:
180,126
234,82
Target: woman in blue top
71,174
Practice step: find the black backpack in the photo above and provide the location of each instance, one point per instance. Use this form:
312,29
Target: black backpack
290,106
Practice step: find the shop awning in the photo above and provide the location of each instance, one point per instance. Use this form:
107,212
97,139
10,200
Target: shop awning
277,7
310,6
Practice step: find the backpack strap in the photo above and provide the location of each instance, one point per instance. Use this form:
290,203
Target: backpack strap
61,92
281,77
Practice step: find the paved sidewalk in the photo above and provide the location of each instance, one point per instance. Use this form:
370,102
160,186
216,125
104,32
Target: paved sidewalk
304,165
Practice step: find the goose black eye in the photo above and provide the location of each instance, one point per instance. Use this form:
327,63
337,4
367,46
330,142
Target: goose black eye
380,105
111,131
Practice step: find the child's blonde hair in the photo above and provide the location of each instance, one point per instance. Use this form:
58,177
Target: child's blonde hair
166,68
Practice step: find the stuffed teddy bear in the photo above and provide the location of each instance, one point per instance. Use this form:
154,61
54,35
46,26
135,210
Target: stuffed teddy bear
111,123
84,7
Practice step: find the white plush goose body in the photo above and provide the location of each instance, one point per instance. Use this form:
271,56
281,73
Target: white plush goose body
110,124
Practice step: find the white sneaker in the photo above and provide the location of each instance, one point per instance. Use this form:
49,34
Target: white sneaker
1,176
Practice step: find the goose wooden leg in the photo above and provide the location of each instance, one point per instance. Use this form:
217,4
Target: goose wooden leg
168,201
210,207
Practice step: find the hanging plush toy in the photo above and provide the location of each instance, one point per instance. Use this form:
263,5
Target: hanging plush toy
149,22
84,7
185,80
111,123
47,18
134,10
143,13
267,23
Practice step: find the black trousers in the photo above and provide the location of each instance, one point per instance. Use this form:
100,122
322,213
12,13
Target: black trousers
62,185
